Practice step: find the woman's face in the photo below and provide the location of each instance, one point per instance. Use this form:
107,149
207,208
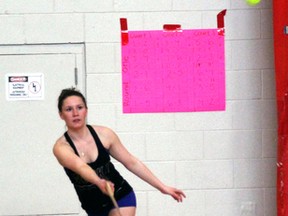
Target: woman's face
74,112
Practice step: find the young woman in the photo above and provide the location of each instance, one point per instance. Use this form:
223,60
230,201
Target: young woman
84,151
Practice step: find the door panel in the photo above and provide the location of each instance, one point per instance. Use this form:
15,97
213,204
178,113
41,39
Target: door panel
32,182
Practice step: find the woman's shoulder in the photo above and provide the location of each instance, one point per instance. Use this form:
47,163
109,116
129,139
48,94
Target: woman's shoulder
61,141
106,135
102,130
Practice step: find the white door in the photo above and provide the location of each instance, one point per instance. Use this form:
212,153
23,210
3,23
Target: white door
32,182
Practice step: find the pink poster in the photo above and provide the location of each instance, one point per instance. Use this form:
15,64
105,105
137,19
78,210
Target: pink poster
173,71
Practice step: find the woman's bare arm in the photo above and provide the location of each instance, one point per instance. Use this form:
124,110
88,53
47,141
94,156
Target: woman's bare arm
67,158
120,153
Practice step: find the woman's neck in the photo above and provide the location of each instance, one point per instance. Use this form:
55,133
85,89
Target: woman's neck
78,134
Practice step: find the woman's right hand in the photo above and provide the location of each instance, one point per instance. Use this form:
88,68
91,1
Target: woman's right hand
103,186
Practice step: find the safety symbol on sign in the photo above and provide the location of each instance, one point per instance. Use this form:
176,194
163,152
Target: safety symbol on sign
24,86
34,87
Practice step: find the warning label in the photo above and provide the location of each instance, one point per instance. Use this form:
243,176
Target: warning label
24,86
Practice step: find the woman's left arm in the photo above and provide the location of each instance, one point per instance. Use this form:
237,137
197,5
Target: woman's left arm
121,154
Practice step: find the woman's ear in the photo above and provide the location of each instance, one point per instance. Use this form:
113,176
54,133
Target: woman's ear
61,116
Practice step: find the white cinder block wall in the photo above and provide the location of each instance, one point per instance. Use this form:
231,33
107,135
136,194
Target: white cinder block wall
224,161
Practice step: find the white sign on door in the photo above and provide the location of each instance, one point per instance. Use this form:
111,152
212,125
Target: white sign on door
25,86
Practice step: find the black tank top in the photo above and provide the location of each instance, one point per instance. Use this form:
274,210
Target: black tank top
91,198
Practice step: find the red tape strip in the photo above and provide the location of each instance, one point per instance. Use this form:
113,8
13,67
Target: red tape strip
172,27
124,31
220,22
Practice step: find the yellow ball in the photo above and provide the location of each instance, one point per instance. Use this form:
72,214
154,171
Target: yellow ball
253,2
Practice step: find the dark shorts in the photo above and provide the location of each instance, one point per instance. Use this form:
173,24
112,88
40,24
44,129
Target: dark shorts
127,201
